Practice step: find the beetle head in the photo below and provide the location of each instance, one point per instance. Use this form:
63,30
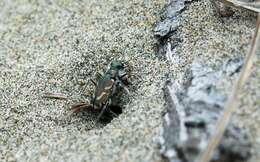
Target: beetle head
116,65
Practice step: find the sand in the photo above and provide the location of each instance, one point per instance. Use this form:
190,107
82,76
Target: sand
58,47
48,46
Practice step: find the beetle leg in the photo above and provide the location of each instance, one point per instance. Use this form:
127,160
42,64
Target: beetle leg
111,112
77,107
98,76
121,84
92,81
102,111
126,89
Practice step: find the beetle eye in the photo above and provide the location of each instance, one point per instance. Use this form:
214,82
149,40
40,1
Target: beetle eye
120,66
122,74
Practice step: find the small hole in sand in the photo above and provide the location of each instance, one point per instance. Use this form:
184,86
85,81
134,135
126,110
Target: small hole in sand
106,118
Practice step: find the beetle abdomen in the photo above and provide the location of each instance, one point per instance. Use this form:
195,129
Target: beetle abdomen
103,91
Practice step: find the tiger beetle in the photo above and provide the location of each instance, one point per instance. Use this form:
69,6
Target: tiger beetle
108,90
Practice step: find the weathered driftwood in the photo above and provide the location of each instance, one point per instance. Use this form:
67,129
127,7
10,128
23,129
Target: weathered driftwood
193,108
232,102
251,6
177,146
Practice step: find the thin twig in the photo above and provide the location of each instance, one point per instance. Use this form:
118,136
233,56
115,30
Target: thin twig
55,96
252,6
232,102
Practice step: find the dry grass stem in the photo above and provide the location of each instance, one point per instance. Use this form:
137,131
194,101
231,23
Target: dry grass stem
232,102
55,96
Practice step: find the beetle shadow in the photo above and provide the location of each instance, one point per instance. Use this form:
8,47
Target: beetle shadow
107,117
